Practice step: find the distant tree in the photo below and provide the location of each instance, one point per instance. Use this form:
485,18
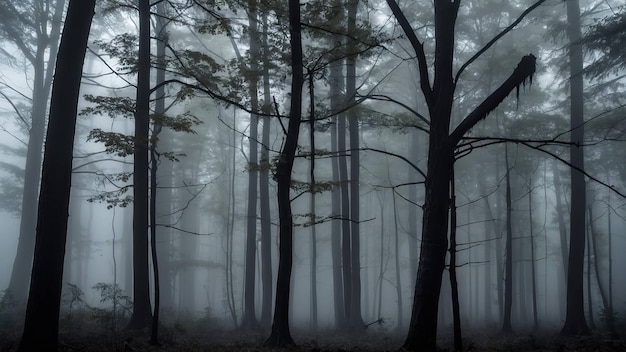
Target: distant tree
280,335
42,312
26,24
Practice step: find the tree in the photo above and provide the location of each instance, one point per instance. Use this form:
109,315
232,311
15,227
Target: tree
142,312
249,319
575,317
439,100
17,22
280,335
42,311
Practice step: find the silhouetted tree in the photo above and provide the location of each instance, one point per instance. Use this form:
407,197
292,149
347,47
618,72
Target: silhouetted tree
575,317
142,312
281,335
44,300
439,98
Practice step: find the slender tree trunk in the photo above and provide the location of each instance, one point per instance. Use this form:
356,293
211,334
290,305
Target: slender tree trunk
610,317
606,305
281,335
142,312
230,231
249,320
356,319
336,100
159,109
312,191
264,193
42,311
508,272
575,316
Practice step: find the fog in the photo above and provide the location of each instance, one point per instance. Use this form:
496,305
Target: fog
220,126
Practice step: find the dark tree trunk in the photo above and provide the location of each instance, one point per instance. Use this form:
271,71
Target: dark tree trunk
159,108
42,311
439,98
142,312
264,193
337,100
575,317
281,335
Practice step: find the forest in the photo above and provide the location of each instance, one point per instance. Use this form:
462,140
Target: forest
339,175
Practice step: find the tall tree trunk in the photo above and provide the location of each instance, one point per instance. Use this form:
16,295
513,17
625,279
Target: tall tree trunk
159,109
42,81
42,311
264,194
142,312
439,98
356,319
281,335
336,102
575,317
264,183
249,320
508,272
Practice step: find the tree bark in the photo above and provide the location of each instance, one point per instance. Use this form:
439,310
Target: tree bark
575,323
264,194
42,311
281,335
142,312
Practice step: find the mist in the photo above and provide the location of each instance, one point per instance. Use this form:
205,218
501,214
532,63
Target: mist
340,175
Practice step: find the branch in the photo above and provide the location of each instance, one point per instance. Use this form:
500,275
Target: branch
419,50
496,38
524,70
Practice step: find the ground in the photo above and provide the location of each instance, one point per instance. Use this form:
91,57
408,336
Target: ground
178,339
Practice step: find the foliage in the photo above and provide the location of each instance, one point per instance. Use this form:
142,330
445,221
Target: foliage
604,42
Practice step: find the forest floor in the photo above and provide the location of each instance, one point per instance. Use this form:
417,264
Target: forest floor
179,340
